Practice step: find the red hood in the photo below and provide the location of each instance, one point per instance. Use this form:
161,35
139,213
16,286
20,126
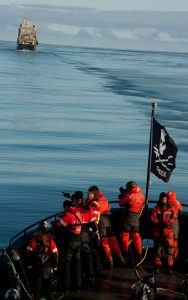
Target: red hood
173,201
171,196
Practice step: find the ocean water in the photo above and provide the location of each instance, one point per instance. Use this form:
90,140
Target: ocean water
73,117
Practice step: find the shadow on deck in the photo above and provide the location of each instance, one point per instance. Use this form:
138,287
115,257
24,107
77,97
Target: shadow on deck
116,284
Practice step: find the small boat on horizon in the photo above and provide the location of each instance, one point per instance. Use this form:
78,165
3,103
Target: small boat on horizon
27,38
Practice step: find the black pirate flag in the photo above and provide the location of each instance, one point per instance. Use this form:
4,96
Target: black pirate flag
164,151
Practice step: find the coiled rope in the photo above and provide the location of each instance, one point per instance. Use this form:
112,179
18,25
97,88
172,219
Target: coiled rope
158,289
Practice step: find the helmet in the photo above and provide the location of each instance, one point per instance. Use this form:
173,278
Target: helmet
12,294
45,227
131,184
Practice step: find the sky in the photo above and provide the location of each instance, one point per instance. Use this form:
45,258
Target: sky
160,5
159,25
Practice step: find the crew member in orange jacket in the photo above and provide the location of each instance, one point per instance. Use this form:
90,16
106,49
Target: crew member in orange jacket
70,223
173,202
133,200
163,216
88,230
42,261
91,204
108,239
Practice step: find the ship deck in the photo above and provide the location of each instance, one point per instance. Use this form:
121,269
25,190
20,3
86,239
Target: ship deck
116,284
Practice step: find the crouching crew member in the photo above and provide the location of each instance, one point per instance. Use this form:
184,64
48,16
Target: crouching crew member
108,240
133,200
163,216
42,261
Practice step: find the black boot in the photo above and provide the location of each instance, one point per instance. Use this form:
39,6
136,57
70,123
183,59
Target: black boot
157,270
169,270
122,261
110,264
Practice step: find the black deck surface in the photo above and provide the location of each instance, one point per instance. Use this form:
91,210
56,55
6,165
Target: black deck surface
116,284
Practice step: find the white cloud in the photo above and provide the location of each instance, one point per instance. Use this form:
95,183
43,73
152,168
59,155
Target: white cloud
93,31
74,30
137,33
165,37
146,32
63,28
125,34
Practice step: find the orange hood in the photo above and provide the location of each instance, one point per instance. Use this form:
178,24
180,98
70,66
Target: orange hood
171,196
136,189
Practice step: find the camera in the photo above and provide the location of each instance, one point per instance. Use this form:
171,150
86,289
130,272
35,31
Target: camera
66,195
122,192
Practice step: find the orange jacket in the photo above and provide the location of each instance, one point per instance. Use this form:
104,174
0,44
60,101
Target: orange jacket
94,208
71,219
163,216
49,252
103,203
173,202
133,200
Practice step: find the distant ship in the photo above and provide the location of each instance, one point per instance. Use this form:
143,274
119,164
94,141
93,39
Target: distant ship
27,39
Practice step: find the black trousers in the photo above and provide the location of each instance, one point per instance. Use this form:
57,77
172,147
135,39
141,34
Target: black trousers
71,263
87,254
41,284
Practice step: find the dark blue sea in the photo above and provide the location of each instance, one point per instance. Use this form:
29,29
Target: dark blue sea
73,117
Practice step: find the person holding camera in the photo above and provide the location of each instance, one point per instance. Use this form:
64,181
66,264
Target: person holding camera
76,198
42,261
132,200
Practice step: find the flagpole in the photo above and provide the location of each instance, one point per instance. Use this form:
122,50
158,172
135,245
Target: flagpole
154,106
